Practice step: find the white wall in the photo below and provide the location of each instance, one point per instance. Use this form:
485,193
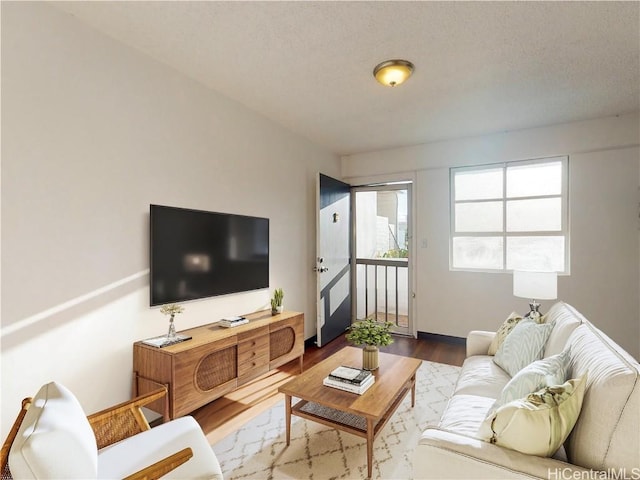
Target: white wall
92,133
603,196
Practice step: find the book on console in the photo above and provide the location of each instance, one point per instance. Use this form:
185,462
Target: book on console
348,387
351,375
163,341
233,322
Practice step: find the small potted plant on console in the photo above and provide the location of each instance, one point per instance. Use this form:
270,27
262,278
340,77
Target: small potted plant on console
276,301
371,334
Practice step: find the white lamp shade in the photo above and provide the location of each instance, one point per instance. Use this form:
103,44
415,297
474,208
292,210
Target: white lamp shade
535,285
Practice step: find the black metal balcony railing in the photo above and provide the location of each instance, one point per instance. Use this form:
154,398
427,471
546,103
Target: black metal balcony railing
371,268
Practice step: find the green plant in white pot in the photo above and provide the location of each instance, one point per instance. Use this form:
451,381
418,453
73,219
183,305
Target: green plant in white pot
276,301
371,334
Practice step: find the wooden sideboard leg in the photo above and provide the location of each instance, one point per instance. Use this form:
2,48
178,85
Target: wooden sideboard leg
142,385
134,386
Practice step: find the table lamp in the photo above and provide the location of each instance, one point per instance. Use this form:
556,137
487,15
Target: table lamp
535,286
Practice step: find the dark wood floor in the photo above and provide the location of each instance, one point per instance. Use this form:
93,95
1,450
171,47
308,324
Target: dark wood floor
221,417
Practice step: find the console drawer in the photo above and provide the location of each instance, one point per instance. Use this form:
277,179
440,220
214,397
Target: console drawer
254,364
252,348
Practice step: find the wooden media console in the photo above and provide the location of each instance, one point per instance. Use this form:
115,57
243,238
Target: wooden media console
216,360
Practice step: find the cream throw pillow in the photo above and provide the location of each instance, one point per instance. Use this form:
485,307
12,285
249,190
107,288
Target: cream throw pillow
504,330
525,344
553,370
539,424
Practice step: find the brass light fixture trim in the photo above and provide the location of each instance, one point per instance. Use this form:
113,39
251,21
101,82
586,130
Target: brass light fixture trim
393,72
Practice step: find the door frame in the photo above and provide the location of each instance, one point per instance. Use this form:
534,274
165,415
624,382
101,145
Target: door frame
380,185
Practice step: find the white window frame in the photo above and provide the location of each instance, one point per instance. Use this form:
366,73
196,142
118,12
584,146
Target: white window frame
564,231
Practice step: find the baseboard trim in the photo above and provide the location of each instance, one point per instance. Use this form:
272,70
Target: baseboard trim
310,342
442,338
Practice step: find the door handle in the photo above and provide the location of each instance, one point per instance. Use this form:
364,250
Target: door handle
321,269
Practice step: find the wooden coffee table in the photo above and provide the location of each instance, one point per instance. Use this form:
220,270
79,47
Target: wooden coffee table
363,415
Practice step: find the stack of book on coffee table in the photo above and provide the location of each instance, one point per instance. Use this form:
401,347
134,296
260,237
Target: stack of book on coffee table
351,379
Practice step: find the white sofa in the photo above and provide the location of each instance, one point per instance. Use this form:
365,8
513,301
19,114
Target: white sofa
604,441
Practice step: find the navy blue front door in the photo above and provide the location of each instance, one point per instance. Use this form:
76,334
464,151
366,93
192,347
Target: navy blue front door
333,262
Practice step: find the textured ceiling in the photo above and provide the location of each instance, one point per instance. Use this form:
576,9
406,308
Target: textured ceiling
481,67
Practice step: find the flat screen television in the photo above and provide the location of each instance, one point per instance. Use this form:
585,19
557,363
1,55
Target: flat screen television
197,254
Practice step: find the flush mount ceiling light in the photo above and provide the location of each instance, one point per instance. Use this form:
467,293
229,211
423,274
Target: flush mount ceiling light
393,72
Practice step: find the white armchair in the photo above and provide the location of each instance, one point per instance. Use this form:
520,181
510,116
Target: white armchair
52,438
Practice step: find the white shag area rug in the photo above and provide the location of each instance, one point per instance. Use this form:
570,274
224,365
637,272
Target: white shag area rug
258,450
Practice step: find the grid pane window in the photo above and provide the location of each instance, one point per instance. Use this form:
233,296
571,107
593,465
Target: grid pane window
479,184
510,216
544,254
479,217
477,252
534,179
534,215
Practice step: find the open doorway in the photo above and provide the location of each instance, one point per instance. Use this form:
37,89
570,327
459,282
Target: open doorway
382,254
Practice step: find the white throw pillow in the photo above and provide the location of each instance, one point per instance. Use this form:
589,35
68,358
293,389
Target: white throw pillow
553,370
525,344
539,424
